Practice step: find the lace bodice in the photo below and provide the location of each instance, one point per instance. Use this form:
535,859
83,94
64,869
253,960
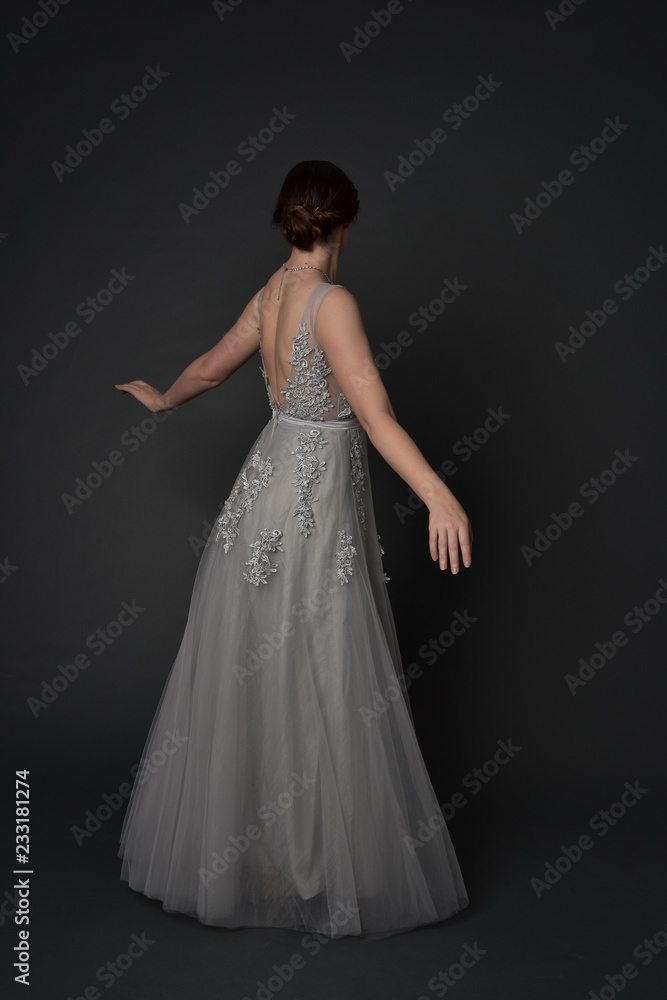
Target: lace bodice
312,392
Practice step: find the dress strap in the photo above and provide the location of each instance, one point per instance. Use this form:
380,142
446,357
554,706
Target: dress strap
313,305
259,310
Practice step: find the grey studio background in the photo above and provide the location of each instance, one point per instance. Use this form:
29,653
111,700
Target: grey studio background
509,262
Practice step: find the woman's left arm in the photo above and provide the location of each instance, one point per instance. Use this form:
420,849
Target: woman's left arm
207,371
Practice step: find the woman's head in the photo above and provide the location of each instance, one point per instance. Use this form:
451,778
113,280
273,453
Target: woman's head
316,196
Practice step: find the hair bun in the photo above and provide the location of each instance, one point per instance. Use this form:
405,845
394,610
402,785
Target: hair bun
315,198
311,213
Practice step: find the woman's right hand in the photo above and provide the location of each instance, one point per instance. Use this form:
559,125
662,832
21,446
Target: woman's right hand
151,398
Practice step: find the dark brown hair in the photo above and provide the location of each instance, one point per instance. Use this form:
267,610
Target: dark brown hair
316,196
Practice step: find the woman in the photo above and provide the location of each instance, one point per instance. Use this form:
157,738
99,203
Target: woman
286,786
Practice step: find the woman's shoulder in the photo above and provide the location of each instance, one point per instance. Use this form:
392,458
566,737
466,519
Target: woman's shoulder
337,296
339,316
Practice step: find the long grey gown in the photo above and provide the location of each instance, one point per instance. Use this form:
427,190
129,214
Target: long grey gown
282,782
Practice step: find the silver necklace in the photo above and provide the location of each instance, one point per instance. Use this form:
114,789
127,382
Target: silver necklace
302,268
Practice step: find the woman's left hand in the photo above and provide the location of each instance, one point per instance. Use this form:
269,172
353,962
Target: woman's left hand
151,398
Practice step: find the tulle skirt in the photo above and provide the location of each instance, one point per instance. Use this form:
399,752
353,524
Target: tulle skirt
282,783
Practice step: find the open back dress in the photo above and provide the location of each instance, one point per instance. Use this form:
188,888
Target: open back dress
282,783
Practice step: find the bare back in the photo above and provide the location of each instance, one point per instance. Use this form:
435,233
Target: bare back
298,377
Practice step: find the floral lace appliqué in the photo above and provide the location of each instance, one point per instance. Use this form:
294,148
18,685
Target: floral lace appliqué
307,472
307,393
259,565
344,408
245,492
358,476
344,556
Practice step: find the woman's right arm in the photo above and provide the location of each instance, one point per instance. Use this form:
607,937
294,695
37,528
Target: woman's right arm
341,335
207,371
